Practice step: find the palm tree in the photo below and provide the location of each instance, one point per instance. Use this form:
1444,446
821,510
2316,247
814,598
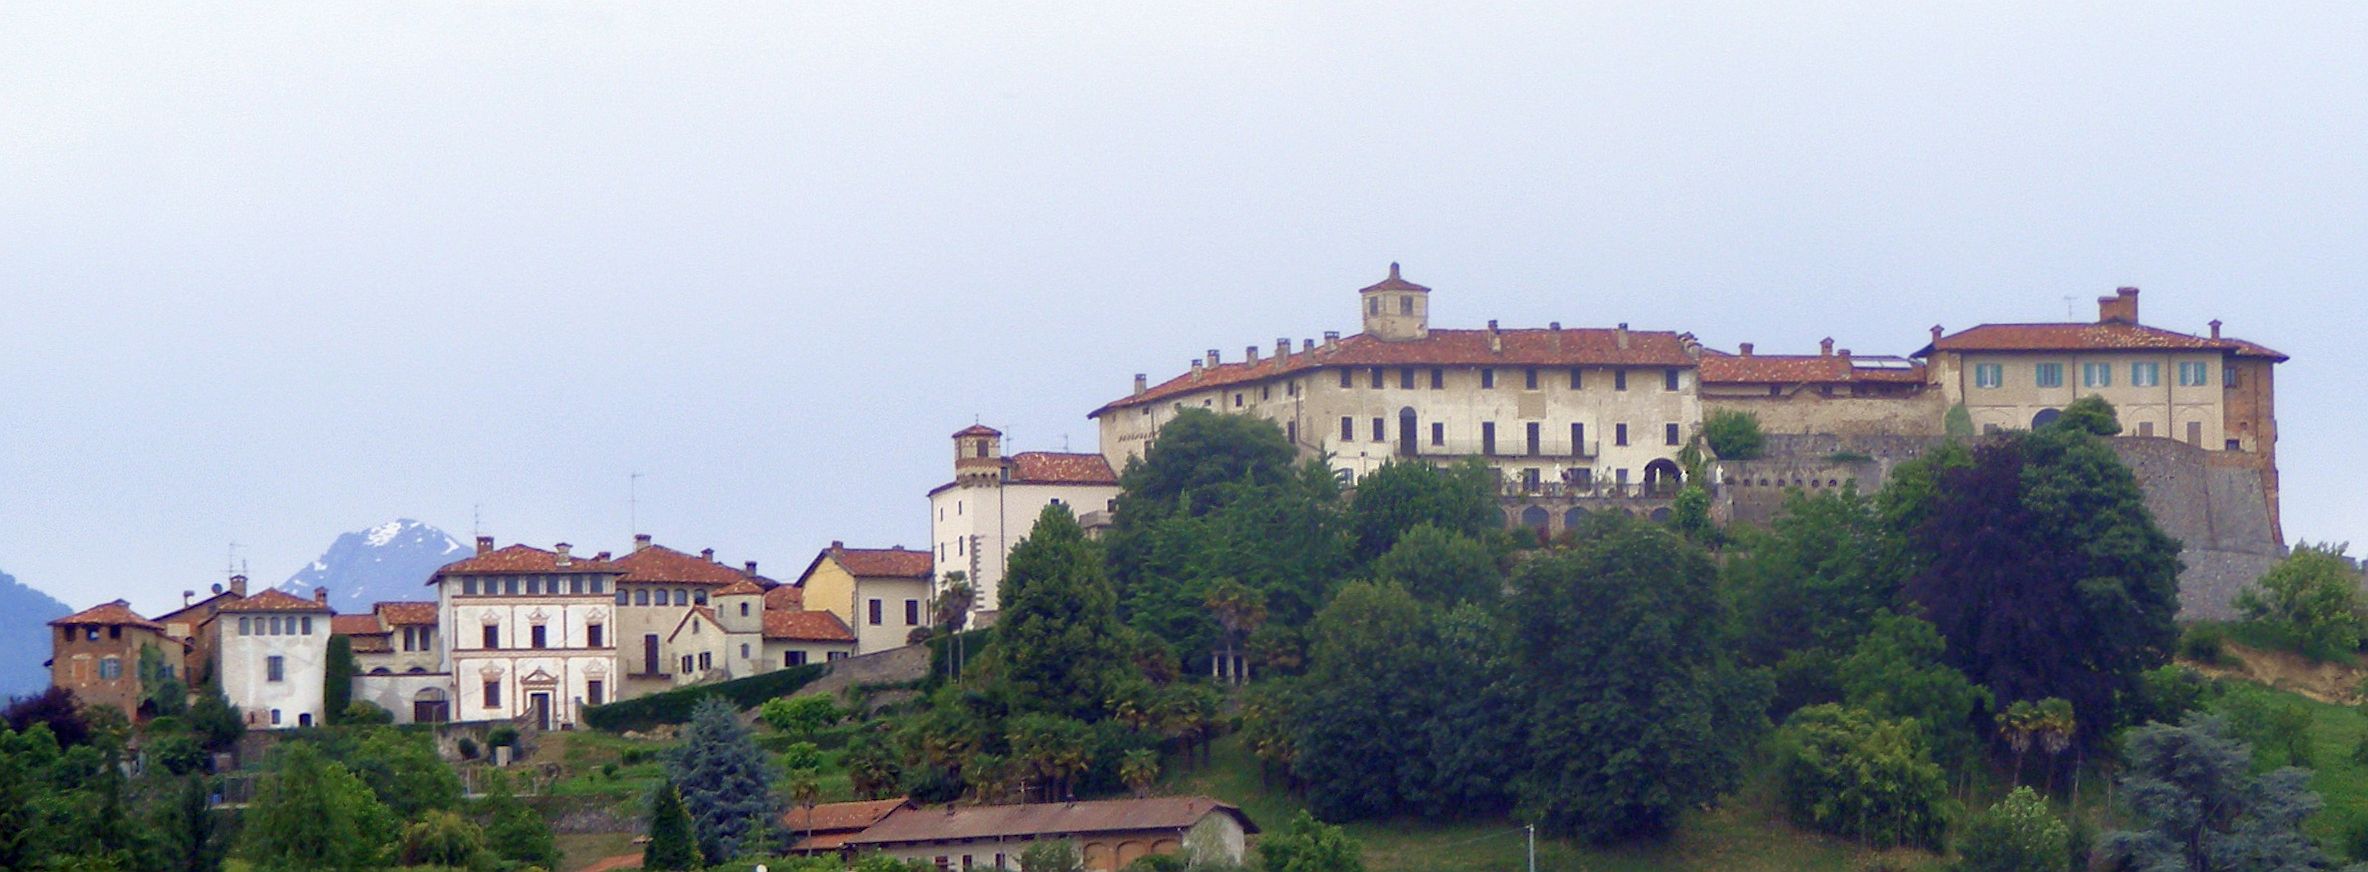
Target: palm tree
805,789
1239,610
1138,768
2016,725
2055,725
953,614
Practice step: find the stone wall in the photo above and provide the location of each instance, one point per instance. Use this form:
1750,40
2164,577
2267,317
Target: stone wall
1810,412
895,665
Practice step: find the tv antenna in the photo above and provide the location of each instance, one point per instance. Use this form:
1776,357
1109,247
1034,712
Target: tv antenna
477,519
231,565
2071,308
633,503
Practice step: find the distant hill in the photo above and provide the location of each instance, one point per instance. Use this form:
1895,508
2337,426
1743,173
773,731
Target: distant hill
25,614
391,561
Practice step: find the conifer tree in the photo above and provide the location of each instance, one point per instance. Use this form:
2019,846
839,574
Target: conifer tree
725,782
1059,631
671,845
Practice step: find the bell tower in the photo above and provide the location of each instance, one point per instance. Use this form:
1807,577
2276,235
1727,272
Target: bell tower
978,454
1396,310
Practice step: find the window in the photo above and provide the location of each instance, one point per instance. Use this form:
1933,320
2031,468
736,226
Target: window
1533,428
641,596
1576,381
2145,428
694,628
2048,375
686,665
2228,376
743,650
1487,378
1237,399
1377,377
697,596
2145,375
275,717
1406,378
534,586
1438,378
706,661
912,613
793,658
1619,434
1405,307
1348,429
682,597
1619,379
1291,432
1487,436
595,692
874,613
1669,380
538,636
592,635
1988,375
244,629
1438,433
110,668
273,622
275,668
1669,434
1578,439
510,586
599,585
493,636
468,585
744,610
304,719
493,693
1529,379
1344,379
575,584
307,623
1380,433
834,655
2194,375
2096,375
1372,307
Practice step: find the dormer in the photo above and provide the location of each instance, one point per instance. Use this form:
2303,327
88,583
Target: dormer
1396,310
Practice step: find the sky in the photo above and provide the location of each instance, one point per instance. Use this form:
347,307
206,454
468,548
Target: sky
273,272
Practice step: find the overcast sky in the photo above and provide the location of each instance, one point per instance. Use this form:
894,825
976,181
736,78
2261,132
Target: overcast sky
270,275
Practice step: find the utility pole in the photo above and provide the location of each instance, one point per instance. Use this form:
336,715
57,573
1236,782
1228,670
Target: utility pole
1533,846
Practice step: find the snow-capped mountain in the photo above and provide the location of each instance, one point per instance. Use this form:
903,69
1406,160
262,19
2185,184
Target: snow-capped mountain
391,561
25,614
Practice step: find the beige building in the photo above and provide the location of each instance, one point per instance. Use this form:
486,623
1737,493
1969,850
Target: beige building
1830,392
2209,391
882,593
1571,419
530,635
1109,834
994,500
273,654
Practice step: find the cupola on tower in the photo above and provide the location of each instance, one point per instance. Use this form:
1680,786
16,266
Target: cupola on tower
1396,310
978,455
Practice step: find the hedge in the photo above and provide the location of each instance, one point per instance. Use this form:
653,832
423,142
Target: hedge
674,706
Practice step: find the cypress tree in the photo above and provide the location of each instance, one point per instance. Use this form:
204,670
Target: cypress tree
671,845
337,679
1059,633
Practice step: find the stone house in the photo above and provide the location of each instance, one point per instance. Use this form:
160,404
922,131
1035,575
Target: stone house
96,654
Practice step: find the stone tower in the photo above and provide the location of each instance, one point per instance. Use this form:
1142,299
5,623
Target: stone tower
978,455
1396,310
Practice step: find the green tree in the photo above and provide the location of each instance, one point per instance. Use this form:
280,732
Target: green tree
2312,597
512,828
1635,711
724,781
1050,856
442,838
1733,435
185,831
1056,749
2018,834
1058,634
2194,804
1441,566
1809,587
214,721
1139,769
672,846
2038,563
1307,845
1365,704
1846,772
1896,672
337,676
873,766
1238,611
801,716
2090,414
402,768
310,812
162,692
1405,494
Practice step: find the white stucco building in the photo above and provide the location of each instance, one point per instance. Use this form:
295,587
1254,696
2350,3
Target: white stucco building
993,502
273,652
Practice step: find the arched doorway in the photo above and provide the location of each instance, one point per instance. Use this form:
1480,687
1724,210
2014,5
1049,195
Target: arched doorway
1574,519
429,706
1535,518
1409,444
1661,478
2045,417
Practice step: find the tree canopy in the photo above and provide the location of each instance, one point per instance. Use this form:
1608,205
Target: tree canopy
1405,494
1058,636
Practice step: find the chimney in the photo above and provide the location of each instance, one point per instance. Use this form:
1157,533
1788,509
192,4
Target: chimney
1936,331
1496,341
563,560
320,596
1250,354
1554,325
1825,347
1331,339
1282,347
1745,348
1142,383
836,545
1213,358
707,554
186,596
601,557
2215,328
238,585
1842,353
1306,345
1622,335
1196,368
640,541
485,544
751,567
2122,307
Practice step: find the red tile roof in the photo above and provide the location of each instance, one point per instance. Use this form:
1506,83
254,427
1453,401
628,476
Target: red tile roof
400,614
1395,282
2100,336
202,609
519,559
357,625
839,816
977,430
117,614
879,562
806,627
660,564
275,600
1046,818
1569,347
787,598
1047,467
1722,368
696,613
743,587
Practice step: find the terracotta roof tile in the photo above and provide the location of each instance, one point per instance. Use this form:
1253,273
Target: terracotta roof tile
1568,347
275,600
522,559
660,564
118,613
357,625
806,627
834,816
882,562
1720,368
402,614
2099,336
787,598
977,430
743,587
1047,467
202,609
990,821
1395,282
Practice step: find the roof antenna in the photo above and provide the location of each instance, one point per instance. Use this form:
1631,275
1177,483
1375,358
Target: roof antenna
477,519
1064,443
2071,308
633,503
230,564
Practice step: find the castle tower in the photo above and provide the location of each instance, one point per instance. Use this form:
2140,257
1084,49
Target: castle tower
1396,310
978,455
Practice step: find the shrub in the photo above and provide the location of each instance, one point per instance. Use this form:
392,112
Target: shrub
800,716
501,735
441,838
2312,598
674,706
2019,834
362,712
1849,773
1734,435
2205,643
1051,856
2277,728
467,747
